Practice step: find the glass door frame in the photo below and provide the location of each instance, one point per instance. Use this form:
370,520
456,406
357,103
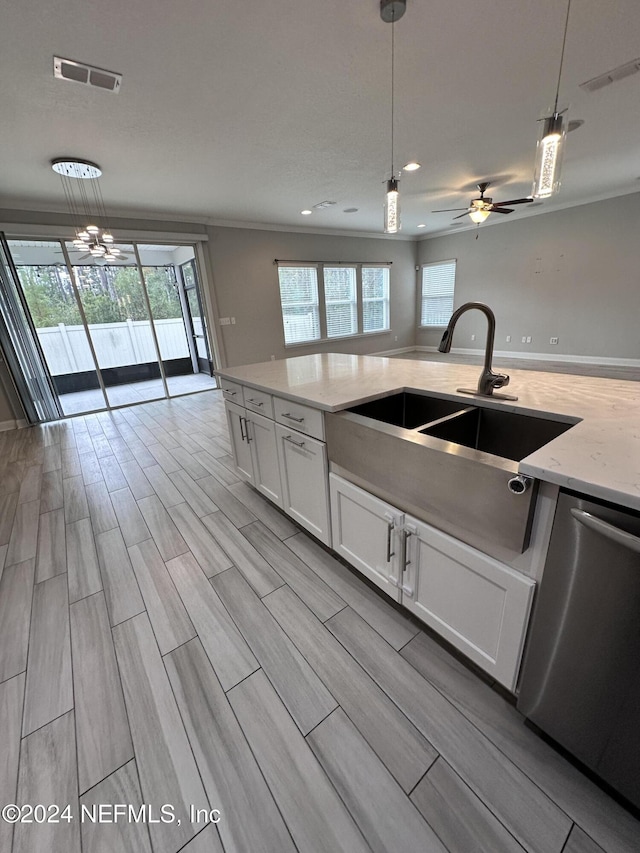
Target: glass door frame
192,241
189,315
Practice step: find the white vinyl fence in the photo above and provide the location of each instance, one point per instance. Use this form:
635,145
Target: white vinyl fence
66,348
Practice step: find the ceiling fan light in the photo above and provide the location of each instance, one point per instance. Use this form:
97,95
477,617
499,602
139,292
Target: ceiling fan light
106,237
546,178
478,215
84,235
92,229
392,208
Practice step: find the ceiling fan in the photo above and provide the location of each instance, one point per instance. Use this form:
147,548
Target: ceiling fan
480,208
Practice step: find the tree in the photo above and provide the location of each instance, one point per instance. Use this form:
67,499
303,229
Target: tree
108,294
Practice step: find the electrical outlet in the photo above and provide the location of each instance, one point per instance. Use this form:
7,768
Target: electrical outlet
273,358
508,339
553,340
225,321
528,339
396,339
233,321
473,337
524,339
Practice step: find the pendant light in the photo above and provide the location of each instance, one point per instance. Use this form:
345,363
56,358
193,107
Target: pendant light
87,209
546,176
390,12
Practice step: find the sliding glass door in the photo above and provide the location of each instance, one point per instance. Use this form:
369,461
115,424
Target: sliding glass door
116,312
113,334
20,348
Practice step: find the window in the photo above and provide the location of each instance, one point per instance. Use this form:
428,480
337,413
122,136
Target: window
322,301
300,307
341,301
375,299
438,282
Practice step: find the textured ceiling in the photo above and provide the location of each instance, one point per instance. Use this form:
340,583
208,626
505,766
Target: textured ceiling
251,111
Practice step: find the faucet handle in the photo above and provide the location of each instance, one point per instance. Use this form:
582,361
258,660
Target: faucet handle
499,380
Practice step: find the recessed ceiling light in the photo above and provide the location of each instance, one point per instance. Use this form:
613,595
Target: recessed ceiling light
422,225
411,167
350,210
306,212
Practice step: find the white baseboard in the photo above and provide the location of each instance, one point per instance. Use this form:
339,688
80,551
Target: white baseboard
396,351
544,356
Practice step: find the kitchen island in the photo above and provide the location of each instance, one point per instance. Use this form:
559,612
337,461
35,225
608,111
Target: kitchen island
456,560
599,456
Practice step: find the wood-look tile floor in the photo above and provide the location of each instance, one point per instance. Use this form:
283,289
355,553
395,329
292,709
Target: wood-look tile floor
169,639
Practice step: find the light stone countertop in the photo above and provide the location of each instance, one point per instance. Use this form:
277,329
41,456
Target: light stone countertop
599,456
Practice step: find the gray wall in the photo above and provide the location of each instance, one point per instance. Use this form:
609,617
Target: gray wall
245,281
573,274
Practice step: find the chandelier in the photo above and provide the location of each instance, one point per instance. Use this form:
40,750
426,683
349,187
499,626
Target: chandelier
86,205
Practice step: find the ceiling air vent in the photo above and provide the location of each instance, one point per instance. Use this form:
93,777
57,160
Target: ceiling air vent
613,76
68,69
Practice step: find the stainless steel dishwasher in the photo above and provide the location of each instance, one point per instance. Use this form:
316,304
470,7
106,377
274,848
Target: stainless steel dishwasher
581,676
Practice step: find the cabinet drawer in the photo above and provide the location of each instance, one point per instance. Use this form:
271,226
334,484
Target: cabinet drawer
259,402
300,417
231,391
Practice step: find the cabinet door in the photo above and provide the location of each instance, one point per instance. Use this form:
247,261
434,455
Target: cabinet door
237,421
480,606
261,433
367,533
304,476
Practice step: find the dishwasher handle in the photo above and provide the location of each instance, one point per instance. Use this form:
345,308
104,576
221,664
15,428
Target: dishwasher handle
620,537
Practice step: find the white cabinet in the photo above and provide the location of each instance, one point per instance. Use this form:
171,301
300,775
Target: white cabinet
261,435
237,421
253,442
303,472
476,603
367,532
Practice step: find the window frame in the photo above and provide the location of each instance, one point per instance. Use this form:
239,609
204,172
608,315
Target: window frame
319,304
320,266
421,295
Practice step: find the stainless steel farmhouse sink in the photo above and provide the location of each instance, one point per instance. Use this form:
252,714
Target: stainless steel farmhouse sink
450,464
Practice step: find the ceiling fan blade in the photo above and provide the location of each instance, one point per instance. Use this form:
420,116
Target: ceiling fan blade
461,215
500,210
513,201
449,210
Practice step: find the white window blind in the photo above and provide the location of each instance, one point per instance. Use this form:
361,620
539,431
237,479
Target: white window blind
341,303
375,299
438,284
299,300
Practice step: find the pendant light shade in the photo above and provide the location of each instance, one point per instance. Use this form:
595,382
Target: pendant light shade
392,208
546,177
550,148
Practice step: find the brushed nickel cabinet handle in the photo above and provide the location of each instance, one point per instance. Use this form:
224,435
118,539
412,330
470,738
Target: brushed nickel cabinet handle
297,443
